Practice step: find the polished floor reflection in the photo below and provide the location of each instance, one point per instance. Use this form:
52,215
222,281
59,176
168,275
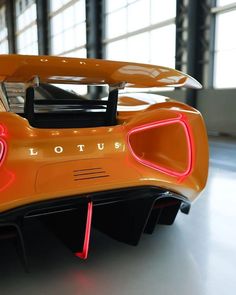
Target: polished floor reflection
197,255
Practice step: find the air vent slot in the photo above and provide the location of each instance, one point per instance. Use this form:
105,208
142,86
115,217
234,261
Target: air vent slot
89,173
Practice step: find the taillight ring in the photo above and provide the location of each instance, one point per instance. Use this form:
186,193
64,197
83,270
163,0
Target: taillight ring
3,146
180,120
2,150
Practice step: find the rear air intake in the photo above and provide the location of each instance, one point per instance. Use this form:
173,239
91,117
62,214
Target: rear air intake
164,145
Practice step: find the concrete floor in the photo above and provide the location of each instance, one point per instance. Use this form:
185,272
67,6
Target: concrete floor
197,255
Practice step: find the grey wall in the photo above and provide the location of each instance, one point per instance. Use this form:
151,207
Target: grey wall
218,107
219,110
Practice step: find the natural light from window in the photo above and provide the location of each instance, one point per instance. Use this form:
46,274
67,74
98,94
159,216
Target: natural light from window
26,27
141,31
225,48
3,31
68,28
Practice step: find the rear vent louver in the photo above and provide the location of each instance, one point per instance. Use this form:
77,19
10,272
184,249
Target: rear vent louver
89,173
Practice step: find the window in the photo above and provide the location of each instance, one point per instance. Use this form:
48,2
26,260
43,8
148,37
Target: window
3,31
26,27
68,28
141,31
224,2
225,44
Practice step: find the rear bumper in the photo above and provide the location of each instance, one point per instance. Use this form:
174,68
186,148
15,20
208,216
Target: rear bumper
53,206
122,214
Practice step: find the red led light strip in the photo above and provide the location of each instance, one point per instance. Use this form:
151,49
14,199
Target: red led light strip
7,176
180,120
84,253
3,145
2,150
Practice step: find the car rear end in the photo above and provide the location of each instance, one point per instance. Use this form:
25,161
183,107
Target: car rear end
66,161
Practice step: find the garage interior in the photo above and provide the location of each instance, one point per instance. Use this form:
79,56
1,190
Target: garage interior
197,254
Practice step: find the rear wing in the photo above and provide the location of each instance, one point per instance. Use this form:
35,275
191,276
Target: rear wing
52,69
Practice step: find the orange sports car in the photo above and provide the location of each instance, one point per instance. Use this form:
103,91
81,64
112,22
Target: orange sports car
125,162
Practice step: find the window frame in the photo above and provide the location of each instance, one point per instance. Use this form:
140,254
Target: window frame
56,12
217,10
146,29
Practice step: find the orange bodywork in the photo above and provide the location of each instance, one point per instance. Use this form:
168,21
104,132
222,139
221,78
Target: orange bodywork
162,145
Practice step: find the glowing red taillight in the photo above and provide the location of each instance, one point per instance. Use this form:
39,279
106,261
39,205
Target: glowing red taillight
2,150
154,145
2,145
6,177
